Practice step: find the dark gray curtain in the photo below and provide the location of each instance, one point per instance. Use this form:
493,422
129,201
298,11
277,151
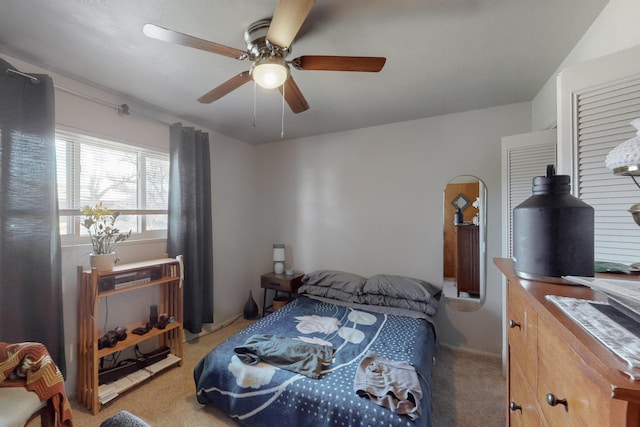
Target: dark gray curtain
189,230
30,264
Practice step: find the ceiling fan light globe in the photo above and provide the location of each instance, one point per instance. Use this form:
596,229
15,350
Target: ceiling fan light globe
269,75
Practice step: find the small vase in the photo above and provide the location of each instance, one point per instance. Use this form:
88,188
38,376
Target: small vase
250,308
103,262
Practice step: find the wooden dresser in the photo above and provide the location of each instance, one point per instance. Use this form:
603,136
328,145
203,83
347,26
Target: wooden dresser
558,373
468,259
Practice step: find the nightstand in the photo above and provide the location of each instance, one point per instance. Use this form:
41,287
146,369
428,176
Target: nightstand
279,283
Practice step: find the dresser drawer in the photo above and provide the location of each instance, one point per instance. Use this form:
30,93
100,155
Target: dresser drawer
565,376
522,327
522,410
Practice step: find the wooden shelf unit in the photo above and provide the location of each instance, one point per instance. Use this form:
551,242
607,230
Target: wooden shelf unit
89,355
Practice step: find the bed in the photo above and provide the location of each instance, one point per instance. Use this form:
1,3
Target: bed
384,317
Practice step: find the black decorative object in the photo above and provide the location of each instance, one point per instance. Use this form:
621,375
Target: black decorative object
458,217
251,308
553,232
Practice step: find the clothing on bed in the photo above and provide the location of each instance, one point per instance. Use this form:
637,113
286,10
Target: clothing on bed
388,383
263,395
291,354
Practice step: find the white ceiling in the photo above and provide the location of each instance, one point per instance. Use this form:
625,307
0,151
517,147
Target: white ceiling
443,56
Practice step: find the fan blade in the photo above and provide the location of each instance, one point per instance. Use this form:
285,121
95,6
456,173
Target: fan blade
293,96
370,64
171,36
287,20
230,85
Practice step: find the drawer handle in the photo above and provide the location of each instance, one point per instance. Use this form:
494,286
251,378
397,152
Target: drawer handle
513,324
552,400
514,407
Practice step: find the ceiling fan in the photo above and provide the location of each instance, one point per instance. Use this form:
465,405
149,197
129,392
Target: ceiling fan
268,45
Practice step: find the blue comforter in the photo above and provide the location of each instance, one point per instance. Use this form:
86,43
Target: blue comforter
263,395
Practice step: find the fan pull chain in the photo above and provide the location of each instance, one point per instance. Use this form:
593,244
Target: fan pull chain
253,125
282,123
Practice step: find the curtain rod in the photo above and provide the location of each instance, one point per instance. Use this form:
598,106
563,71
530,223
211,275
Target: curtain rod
122,109
92,99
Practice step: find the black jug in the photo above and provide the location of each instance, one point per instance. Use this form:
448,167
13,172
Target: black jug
458,217
553,232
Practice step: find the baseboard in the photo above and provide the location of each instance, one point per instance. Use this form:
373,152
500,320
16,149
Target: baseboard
472,351
209,328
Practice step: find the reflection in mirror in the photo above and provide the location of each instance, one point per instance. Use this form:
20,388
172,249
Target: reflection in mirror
463,285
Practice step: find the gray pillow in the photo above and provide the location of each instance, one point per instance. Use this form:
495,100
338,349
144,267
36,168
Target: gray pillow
401,287
328,292
340,280
430,308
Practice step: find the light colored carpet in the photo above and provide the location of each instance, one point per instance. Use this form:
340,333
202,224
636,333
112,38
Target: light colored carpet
468,391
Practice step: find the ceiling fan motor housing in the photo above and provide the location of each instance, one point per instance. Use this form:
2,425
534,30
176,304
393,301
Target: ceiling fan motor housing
269,68
257,45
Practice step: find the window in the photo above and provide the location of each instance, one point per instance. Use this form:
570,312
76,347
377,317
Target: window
128,179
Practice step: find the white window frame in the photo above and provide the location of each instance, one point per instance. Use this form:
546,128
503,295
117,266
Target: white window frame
73,190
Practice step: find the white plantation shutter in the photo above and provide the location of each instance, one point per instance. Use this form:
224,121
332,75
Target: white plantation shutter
523,158
603,119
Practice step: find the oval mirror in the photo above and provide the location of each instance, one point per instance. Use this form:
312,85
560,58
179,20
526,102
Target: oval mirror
464,270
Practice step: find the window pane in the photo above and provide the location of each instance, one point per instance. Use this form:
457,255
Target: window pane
61,166
126,223
157,190
157,182
156,222
108,175
63,186
124,177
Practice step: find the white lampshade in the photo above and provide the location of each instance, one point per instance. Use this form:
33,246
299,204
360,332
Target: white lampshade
278,258
270,72
625,158
278,252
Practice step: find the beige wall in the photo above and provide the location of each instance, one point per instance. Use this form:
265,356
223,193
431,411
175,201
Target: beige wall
615,29
369,201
